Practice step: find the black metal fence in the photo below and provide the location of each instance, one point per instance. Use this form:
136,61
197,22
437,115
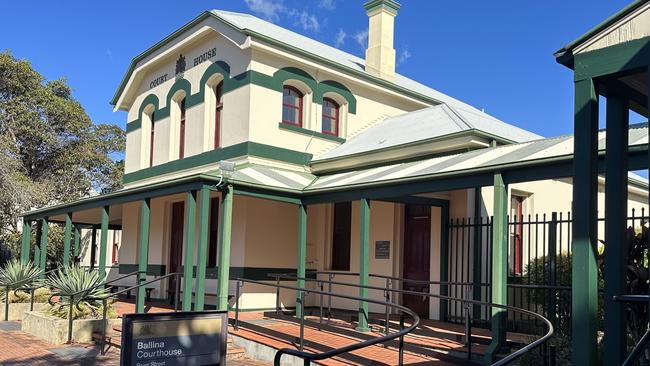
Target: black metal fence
539,267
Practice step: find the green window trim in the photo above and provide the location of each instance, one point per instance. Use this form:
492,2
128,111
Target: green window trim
275,82
304,131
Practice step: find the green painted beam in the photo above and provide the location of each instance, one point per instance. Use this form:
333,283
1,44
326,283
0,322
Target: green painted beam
188,266
615,230
202,247
584,273
26,241
43,244
302,253
364,262
77,241
499,268
224,247
143,252
67,237
103,242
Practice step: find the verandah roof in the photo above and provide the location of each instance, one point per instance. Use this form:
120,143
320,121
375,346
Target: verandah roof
535,160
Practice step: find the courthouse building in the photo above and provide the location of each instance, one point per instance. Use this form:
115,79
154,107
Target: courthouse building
254,150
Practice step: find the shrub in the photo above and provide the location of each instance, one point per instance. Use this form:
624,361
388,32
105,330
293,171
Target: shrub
40,296
16,274
72,280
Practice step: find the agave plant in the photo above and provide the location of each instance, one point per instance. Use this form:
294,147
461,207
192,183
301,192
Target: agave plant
16,274
83,285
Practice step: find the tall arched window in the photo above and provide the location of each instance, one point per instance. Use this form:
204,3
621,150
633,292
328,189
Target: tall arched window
181,138
151,139
218,93
330,117
292,106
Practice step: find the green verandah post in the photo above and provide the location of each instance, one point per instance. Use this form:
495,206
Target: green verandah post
615,229
302,254
77,242
67,237
26,241
364,253
202,250
188,266
44,229
499,267
584,268
103,242
224,248
143,252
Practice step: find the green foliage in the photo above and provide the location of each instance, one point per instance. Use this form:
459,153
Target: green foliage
72,280
15,274
50,151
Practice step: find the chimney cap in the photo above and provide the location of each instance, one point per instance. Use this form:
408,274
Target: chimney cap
391,6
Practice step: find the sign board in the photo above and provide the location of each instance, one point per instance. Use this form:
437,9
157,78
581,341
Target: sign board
382,249
170,339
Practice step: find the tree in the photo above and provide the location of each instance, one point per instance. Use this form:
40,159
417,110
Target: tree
50,150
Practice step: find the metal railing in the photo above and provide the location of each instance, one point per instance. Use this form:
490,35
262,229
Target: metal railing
308,357
466,304
104,300
642,344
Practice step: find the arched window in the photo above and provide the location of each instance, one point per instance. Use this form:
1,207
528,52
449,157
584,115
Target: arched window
218,93
330,117
292,106
151,138
181,138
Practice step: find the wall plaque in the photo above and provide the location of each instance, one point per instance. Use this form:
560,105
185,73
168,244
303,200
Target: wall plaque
382,249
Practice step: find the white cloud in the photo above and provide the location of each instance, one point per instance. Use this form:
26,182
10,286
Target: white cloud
327,4
362,38
340,38
268,9
307,21
403,56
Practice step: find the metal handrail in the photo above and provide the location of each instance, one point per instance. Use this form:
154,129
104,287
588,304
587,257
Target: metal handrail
510,358
104,300
641,345
309,357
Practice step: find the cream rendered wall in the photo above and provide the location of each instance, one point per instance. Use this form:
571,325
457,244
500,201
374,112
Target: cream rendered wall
235,111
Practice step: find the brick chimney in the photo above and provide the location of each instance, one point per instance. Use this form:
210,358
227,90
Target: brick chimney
380,55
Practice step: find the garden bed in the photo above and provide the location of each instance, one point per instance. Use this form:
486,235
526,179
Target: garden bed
18,309
55,330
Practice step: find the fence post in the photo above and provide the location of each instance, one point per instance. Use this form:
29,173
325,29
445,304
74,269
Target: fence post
70,320
552,265
7,303
277,295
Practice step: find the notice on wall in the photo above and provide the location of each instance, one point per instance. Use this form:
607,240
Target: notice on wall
382,249
170,339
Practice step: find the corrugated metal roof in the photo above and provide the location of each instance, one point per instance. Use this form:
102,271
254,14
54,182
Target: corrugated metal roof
426,124
265,176
482,158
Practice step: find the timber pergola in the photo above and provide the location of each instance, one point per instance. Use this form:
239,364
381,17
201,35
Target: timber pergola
613,61
509,164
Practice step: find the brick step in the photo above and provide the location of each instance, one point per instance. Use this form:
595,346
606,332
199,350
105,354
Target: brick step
114,339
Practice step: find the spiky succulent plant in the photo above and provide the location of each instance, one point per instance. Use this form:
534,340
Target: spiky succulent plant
71,280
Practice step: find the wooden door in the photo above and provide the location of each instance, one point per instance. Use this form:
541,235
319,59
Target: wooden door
417,256
176,246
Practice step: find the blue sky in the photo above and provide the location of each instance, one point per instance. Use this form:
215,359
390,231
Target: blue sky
495,55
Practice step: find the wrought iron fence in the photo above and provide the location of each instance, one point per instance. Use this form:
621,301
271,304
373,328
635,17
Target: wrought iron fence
539,267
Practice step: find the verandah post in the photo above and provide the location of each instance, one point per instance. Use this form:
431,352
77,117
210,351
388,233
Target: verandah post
103,242
615,229
584,269
26,241
77,242
143,252
44,229
224,247
202,249
302,254
188,266
364,253
499,267
477,258
67,237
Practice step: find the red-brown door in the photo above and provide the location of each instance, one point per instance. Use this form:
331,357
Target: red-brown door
417,252
176,245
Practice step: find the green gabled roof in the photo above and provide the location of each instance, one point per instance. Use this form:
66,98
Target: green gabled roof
565,55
